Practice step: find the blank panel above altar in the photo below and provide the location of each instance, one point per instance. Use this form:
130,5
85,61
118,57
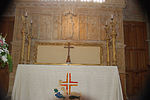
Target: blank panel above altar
48,53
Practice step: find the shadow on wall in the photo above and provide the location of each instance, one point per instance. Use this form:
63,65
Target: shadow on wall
145,94
4,5
145,7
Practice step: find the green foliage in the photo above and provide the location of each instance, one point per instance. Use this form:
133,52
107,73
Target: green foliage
9,63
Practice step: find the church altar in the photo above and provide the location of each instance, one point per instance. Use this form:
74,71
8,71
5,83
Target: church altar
37,82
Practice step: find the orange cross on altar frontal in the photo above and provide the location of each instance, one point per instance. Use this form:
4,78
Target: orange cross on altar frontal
68,83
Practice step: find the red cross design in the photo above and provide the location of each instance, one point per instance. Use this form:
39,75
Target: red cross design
68,83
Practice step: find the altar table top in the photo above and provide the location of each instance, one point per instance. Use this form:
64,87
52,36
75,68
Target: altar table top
37,82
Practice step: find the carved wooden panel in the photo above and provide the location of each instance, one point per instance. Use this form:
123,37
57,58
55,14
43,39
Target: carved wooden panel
56,28
46,27
35,27
102,27
93,28
69,27
83,27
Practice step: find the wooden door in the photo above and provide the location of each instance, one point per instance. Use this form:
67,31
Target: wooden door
136,57
6,27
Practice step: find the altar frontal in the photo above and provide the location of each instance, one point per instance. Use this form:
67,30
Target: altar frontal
67,82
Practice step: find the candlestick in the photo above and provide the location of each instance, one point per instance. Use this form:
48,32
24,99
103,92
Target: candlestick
107,43
29,47
111,38
112,16
23,44
106,23
26,13
26,37
31,21
113,35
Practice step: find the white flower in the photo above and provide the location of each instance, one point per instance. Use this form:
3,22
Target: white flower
1,51
0,37
4,40
4,58
5,50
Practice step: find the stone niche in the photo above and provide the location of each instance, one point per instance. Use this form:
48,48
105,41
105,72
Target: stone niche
51,24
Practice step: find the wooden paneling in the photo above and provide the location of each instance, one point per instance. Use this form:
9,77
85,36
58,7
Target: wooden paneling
4,80
6,27
136,57
123,78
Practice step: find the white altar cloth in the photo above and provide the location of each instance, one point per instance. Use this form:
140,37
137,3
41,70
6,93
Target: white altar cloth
37,82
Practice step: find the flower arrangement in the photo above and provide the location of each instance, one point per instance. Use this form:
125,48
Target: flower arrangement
5,58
